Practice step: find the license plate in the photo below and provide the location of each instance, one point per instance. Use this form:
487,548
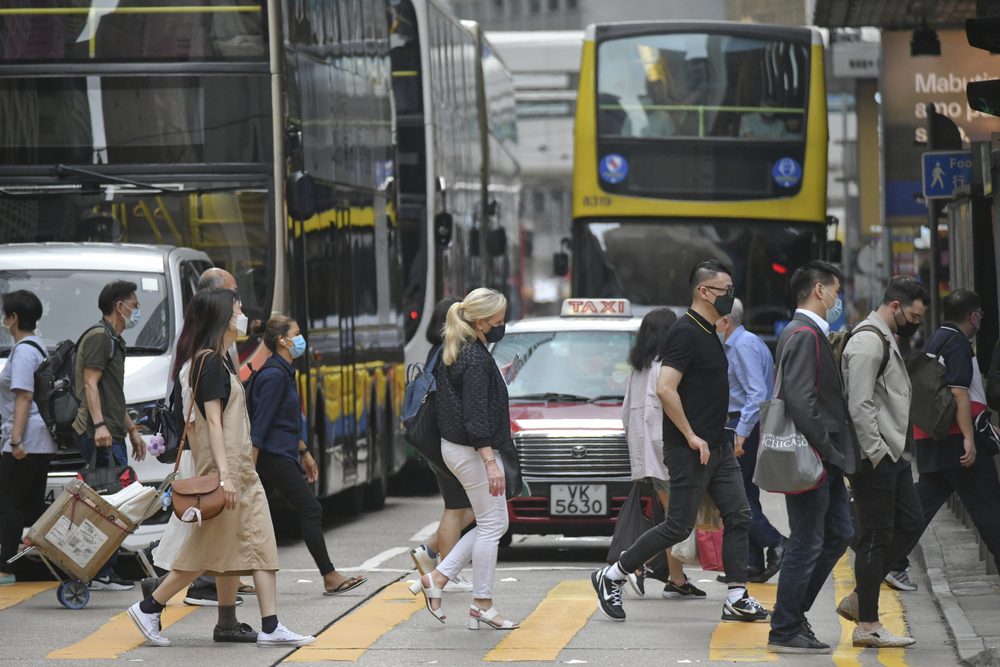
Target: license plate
578,500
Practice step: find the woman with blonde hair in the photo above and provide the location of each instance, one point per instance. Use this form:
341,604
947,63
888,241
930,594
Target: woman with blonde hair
474,419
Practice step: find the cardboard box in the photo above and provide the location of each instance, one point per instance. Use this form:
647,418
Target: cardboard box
80,531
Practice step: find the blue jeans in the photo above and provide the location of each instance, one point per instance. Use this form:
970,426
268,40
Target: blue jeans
86,445
820,529
762,533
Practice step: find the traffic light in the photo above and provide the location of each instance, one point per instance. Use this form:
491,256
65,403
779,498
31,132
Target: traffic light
984,33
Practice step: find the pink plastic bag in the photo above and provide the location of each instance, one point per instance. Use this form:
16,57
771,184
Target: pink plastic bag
710,549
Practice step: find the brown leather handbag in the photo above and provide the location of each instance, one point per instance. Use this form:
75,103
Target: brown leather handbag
196,499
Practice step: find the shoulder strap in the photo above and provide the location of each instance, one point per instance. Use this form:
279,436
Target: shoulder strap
97,326
32,344
885,345
187,421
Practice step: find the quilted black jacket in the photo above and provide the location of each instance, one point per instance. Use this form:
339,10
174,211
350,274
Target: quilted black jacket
472,406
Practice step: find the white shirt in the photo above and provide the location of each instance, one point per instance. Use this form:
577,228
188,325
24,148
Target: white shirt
19,373
823,325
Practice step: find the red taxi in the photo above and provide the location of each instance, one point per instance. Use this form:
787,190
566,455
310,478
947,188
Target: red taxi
566,416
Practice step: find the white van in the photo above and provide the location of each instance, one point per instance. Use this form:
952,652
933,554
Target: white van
67,278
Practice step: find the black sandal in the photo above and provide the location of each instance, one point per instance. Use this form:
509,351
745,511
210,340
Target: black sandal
346,585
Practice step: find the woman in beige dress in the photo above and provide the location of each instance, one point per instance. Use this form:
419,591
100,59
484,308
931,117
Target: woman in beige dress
240,540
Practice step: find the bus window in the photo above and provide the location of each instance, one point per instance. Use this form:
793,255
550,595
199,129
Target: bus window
701,85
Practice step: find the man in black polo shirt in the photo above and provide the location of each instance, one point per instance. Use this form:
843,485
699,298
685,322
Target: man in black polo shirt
693,388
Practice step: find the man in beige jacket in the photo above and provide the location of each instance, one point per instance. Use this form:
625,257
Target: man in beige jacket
878,398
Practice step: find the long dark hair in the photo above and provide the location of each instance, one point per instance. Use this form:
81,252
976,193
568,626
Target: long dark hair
210,311
649,340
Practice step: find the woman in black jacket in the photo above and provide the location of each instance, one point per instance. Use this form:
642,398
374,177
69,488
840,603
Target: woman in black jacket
474,419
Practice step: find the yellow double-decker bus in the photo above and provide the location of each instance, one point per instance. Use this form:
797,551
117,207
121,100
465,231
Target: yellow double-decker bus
697,140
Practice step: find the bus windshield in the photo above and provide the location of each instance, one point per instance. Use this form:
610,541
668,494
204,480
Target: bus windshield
702,85
649,261
88,31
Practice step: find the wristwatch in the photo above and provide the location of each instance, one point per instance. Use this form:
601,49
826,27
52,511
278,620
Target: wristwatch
99,424
303,452
16,444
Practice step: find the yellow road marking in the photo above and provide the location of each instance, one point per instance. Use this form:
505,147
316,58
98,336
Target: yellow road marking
547,631
21,591
745,642
120,634
350,637
890,612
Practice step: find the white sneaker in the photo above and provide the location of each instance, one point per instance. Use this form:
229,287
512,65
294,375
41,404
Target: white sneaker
282,636
425,564
459,585
148,624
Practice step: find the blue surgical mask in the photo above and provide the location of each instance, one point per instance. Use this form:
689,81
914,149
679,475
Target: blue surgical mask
134,316
298,346
833,313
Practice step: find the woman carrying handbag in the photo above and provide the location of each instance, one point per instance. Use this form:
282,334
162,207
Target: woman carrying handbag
474,419
240,540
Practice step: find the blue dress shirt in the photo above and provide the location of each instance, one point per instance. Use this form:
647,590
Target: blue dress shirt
751,377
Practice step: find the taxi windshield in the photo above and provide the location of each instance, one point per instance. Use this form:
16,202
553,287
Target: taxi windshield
567,365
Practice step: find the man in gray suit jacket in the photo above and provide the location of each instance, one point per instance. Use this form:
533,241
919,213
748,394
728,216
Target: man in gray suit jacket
819,520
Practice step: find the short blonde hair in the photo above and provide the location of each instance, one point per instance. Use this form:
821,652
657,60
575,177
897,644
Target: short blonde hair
482,303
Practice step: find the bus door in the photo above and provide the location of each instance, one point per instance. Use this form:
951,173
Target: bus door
346,431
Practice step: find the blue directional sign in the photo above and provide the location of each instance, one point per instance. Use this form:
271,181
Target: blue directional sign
945,172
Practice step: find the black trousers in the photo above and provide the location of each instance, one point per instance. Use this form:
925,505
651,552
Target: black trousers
284,475
722,479
891,521
22,499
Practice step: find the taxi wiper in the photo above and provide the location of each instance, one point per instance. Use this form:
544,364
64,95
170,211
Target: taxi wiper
607,397
63,171
551,396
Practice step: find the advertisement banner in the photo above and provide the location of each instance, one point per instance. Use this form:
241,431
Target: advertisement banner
908,83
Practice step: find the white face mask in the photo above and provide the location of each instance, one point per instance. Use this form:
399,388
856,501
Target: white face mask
4,328
241,324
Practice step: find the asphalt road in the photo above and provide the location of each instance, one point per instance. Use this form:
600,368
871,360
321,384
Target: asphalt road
542,581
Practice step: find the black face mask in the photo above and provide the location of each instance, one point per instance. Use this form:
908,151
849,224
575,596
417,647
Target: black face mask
495,335
908,329
724,304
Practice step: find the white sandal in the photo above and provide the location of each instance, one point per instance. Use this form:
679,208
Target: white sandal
477,617
430,593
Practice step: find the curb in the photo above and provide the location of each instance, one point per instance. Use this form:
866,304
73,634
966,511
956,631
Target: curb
967,642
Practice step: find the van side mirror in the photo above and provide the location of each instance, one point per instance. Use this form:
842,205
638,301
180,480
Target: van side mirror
560,264
444,223
834,252
300,195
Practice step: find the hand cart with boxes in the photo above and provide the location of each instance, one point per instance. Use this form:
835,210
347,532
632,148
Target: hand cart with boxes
78,533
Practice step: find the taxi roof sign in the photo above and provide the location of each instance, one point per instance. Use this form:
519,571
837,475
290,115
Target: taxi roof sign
596,308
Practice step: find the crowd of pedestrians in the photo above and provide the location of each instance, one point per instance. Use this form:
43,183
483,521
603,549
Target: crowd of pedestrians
692,419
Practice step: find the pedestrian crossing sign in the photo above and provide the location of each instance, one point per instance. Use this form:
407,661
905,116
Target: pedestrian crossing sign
944,172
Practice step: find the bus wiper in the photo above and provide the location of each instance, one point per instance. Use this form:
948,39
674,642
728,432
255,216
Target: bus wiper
134,349
551,396
62,171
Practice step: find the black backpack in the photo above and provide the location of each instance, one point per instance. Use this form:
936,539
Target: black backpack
932,405
55,389
248,384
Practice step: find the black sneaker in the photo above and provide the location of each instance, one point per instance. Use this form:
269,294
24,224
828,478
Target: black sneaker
112,582
241,634
800,643
609,594
686,591
205,596
807,629
148,585
775,554
145,558
638,582
746,610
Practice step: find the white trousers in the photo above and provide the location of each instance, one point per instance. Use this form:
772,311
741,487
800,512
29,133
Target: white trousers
479,544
